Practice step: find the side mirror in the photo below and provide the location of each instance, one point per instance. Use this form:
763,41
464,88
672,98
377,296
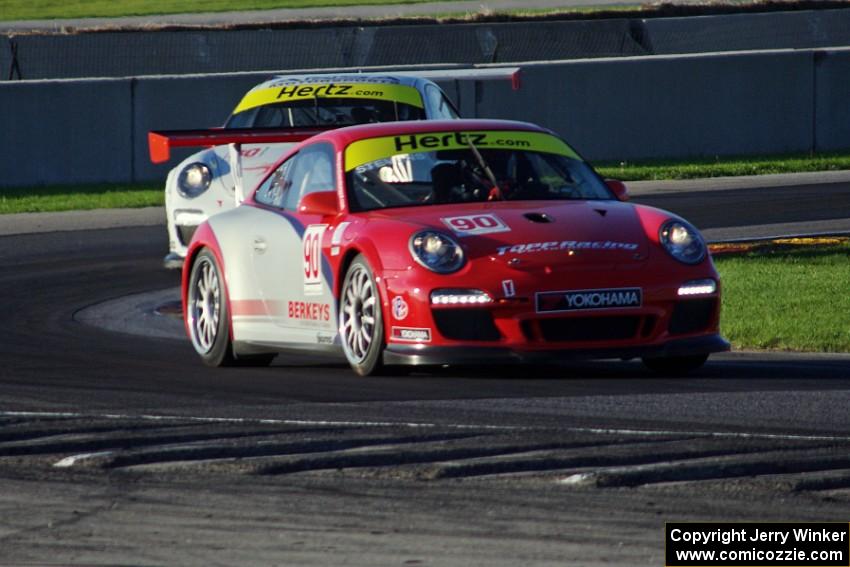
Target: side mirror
319,203
619,189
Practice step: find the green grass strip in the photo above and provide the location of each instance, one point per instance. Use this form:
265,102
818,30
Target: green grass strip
655,170
79,197
48,9
787,299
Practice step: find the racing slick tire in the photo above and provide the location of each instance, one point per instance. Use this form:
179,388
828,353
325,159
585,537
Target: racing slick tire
361,325
208,318
672,365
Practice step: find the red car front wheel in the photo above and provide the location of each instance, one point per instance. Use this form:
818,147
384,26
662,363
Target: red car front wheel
361,324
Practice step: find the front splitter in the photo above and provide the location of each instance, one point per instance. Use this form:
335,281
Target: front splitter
423,355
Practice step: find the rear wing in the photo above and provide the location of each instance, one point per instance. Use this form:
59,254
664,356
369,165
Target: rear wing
160,143
511,74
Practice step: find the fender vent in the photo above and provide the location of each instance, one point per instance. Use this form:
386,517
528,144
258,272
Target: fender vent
538,217
186,233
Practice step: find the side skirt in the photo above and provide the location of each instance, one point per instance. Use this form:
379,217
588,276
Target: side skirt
333,352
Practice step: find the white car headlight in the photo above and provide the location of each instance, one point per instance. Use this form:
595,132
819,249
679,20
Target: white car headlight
194,180
436,251
682,241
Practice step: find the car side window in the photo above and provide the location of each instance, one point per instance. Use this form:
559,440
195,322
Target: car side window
270,116
440,104
244,119
313,171
275,188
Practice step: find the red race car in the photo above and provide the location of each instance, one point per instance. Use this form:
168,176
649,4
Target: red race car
447,242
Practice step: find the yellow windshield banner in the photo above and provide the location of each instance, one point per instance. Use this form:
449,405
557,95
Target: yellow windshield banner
373,149
299,91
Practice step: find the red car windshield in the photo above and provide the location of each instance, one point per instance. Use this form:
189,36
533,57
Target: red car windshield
465,172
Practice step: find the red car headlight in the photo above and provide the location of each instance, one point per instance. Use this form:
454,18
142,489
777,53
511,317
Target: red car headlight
436,251
682,241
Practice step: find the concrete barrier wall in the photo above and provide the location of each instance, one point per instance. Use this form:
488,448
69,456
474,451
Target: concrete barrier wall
832,100
158,52
738,32
118,54
72,131
495,43
655,107
57,132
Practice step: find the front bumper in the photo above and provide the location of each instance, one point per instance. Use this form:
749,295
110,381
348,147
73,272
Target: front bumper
425,355
182,224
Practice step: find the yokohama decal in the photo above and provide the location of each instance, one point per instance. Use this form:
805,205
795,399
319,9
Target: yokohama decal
579,300
313,259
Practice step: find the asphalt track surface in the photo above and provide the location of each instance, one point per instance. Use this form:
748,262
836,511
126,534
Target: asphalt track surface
121,449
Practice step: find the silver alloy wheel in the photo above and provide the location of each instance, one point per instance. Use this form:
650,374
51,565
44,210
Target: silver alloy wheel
357,316
204,305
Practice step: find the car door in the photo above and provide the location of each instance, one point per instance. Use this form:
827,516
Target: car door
290,268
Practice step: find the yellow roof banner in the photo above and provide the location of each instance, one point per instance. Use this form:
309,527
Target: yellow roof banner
292,92
372,149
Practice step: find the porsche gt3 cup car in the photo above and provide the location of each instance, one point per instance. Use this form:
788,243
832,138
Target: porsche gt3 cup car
203,184
447,242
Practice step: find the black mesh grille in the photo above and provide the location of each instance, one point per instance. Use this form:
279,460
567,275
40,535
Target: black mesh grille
466,324
692,316
576,329
648,326
186,233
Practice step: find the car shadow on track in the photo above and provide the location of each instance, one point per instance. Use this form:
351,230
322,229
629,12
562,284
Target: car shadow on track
735,366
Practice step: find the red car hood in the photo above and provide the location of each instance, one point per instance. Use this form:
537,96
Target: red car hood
533,234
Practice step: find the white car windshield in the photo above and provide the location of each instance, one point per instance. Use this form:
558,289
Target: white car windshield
324,111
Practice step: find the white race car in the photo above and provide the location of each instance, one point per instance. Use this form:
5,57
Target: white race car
204,184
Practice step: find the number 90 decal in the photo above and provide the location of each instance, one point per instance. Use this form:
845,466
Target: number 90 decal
313,259
475,224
